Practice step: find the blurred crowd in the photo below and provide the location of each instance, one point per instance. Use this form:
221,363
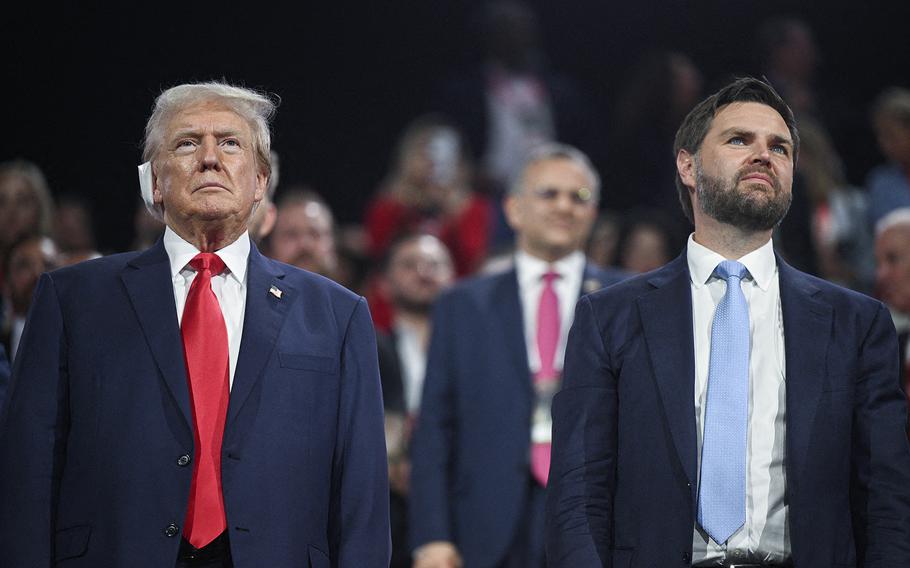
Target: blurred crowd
438,216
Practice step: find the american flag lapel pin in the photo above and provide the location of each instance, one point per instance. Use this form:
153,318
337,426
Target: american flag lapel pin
275,291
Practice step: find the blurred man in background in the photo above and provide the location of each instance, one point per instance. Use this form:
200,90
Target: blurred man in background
481,447
892,257
304,233
418,269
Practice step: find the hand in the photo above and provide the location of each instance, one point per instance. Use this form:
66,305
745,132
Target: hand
437,554
400,476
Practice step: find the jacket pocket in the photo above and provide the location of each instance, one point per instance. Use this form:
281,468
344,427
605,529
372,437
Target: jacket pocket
318,558
71,542
304,362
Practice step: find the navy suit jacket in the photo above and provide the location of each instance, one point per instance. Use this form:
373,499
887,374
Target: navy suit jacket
469,455
623,477
99,416
4,377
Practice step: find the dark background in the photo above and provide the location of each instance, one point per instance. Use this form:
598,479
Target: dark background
79,80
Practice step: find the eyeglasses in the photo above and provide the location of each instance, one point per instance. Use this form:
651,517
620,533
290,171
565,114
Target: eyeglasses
580,196
429,265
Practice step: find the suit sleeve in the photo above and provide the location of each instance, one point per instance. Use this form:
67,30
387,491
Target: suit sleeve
33,436
432,445
359,524
579,512
881,456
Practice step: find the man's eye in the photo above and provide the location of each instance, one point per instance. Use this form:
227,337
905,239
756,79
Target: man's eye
780,149
185,145
737,141
547,193
230,144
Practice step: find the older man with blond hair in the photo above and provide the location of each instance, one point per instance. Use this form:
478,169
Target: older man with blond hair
195,404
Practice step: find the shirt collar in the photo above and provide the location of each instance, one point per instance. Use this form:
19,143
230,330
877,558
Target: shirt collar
901,321
531,269
181,252
761,263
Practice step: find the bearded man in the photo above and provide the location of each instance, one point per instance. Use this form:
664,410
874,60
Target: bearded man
727,409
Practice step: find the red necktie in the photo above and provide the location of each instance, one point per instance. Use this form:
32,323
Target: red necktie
205,347
546,378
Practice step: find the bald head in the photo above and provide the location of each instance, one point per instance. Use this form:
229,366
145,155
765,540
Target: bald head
892,257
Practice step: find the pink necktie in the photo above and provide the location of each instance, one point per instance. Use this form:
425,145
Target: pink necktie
205,347
547,340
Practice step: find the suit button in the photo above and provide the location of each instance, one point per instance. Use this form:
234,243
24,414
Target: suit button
686,557
183,460
171,530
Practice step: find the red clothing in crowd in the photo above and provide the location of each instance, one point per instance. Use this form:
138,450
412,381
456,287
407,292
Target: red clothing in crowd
466,235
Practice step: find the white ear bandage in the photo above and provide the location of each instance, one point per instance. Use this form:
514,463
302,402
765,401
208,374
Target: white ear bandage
145,186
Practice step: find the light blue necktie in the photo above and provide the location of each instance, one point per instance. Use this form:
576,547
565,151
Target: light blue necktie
722,492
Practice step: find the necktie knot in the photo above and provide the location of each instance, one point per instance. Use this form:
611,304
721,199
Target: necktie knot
549,276
731,269
208,261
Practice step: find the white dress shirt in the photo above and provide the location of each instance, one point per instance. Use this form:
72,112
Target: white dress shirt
229,286
530,271
15,335
902,325
412,352
765,535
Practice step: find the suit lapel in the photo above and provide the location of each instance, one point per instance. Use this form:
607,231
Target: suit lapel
268,300
807,327
151,292
505,301
666,319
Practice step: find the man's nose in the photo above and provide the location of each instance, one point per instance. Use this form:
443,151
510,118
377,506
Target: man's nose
210,158
762,155
563,201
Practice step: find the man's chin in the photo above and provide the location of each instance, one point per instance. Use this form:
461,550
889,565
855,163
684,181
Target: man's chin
413,306
758,192
562,243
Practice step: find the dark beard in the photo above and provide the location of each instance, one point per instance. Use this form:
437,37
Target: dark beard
733,206
412,306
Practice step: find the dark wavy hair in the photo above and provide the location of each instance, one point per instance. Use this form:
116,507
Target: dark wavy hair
695,126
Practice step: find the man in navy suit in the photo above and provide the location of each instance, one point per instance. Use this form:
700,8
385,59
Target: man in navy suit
114,453
726,409
481,445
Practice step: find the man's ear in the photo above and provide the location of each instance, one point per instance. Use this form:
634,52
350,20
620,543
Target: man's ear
512,207
157,197
269,216
685,166
262,185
